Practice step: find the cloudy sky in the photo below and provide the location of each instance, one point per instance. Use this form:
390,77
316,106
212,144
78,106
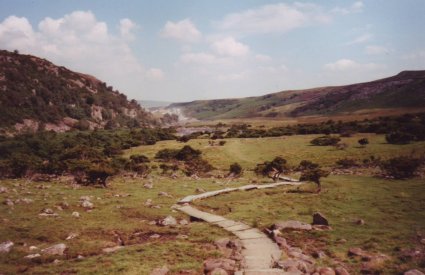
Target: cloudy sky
198,49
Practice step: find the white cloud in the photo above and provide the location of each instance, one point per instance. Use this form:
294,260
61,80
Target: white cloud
360,39
262,58
230,47
354,8
80,42
376,50
126,28
155,73
201,58
346,65
183,30
276,18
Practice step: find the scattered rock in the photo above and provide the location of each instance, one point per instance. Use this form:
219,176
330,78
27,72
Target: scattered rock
413,272
9,202
64,205
112,249
200,190
160,271
319,219
155,236
326,271
148,185
319,254
47,212
3,190
218,271
148,203
87,204
225,264
32,256
360,222
24,200
5,247
164,194
357,251
85,198
375,264
75,214
32,247
183,222
168,221
182,237
341,271
57,249
297,225
71,236
423,241
56,261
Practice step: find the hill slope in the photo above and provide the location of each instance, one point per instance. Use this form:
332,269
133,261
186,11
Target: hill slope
36,94
405,90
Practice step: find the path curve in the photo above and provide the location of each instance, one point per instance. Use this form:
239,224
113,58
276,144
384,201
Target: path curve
259,251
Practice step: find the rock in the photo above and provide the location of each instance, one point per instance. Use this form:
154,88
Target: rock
155,236
64,205
296,266
357,251
200,190
375,264
218,271
422,241
25,200
57,249
32,247
182,236
164,194
168,221
85,198
47,211
71,236
326,271
319,219
319,254
160,271
341,271
80,257
148,202
360,222
32,256
9,202
87,204
226,264
56,261
112,249
3,190
297,225
148,185
75,214
183,222
5,247
413,272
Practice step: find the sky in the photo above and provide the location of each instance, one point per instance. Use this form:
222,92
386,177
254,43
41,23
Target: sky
197,49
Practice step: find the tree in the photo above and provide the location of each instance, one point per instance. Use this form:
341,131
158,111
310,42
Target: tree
306,164
272,169
314,175
363,142
235,170
399,138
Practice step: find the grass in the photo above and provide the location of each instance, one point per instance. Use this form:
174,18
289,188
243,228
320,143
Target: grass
393,211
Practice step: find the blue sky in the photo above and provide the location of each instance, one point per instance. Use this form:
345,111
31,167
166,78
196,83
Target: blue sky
196,49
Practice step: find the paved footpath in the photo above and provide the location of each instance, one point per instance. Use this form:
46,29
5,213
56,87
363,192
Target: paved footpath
259,252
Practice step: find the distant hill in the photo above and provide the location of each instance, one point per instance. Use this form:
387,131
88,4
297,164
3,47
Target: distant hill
153,103
36,94
405,90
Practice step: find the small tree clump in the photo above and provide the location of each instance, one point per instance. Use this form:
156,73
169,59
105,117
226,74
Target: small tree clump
363,142
325,141
235,170
187,153
139,159
272,168
166,154
314,175
197,167
402,167
306,164
221,142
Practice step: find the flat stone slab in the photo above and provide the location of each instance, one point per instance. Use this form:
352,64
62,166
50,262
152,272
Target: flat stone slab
211,218
251,233
238,227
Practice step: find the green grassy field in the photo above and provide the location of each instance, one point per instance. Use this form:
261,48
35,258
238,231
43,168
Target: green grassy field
393,211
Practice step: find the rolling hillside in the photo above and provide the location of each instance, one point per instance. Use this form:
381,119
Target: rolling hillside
36,94
404,91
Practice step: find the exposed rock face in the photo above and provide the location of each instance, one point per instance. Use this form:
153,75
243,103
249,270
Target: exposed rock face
319,219
57,249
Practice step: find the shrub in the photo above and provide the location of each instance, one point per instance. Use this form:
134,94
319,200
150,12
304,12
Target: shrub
402,167
197,166
222,142
325,141
184,139
363,141
139,159
346,163
187,153
166,154
399,138
99,173
235,169
306,164
165,168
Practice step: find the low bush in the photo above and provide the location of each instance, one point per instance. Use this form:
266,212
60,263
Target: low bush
272,168
235,169
399,138
402,167
346,163
325,141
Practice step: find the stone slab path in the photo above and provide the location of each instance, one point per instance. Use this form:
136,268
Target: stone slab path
259,252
